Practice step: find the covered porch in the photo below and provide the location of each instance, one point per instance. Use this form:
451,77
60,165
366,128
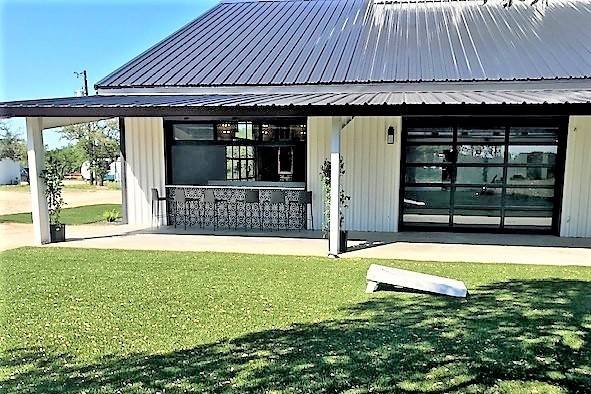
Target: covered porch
364,128
150,199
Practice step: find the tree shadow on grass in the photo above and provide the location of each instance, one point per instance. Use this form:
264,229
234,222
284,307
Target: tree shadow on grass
515,336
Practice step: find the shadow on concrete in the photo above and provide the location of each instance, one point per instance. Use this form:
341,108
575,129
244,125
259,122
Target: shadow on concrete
366,240
516,336
301,234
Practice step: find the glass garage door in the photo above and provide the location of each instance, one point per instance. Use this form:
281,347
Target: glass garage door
482,175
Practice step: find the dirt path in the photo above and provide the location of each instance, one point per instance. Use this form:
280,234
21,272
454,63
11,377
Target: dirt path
16,201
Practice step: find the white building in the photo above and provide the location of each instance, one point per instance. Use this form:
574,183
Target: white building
448,115
113,175
10,172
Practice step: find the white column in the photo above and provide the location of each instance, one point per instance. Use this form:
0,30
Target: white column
36,156
335,186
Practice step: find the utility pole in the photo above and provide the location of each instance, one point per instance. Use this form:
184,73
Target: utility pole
85,87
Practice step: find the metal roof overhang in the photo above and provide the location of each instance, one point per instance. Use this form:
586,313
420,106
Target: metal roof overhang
505,102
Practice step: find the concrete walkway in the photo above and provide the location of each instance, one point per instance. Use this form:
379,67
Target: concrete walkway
445,247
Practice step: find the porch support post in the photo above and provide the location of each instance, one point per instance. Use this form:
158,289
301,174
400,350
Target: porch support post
335,186
123,156
36,157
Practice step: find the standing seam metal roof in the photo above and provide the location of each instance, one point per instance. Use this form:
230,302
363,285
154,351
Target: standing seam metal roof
351,41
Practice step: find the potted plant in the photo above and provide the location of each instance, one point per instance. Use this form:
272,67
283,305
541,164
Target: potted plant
53,177
343,199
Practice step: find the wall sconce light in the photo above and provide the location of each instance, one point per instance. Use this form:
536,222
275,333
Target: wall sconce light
391,135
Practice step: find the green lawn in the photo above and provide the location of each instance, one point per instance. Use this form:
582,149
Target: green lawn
76,215
120,321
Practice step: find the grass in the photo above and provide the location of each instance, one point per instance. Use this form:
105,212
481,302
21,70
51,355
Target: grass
77,215
144,322
74,186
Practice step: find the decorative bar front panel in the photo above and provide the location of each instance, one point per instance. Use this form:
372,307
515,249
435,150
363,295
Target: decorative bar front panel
232,211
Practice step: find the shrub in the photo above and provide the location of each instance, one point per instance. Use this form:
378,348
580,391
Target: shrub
53,177
111,215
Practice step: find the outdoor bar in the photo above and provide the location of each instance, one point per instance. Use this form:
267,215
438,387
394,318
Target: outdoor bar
236,174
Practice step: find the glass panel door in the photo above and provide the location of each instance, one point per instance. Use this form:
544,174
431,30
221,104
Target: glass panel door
466,175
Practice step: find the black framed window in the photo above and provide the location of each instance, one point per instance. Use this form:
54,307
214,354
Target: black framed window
202,153
194,132
240,163
500,174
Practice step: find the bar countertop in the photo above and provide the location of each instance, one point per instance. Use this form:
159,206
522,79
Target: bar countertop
241,187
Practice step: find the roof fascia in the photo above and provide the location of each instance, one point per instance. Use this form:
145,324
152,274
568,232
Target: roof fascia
563,84
307,110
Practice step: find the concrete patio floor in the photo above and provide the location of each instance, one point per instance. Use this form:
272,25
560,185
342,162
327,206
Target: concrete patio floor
445,247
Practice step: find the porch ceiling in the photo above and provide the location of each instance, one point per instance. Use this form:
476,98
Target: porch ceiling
52,122
294,103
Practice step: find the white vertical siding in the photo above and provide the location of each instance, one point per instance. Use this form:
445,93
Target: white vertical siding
144,149
576,202
372,176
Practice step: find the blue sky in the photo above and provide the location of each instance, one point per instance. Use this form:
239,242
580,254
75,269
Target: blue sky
42,43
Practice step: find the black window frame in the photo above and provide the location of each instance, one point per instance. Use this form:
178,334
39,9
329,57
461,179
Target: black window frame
169,141
560,123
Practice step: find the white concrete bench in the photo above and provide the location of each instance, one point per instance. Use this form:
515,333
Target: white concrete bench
378,274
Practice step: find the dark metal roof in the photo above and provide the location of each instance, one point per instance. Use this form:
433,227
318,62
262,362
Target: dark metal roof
275,104
287,42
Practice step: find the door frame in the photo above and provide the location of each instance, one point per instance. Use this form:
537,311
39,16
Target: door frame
487,121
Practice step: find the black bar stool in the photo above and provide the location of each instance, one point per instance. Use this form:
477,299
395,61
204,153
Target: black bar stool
252,198
180,199
277,198
156,200
304,199
209,198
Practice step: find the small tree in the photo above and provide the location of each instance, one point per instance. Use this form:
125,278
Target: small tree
344,199
71,157
53,176
11,145
99,143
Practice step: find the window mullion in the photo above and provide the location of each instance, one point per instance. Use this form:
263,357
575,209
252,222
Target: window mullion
454,174
505,174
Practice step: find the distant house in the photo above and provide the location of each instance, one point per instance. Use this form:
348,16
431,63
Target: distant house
448,116
10,172
113,175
